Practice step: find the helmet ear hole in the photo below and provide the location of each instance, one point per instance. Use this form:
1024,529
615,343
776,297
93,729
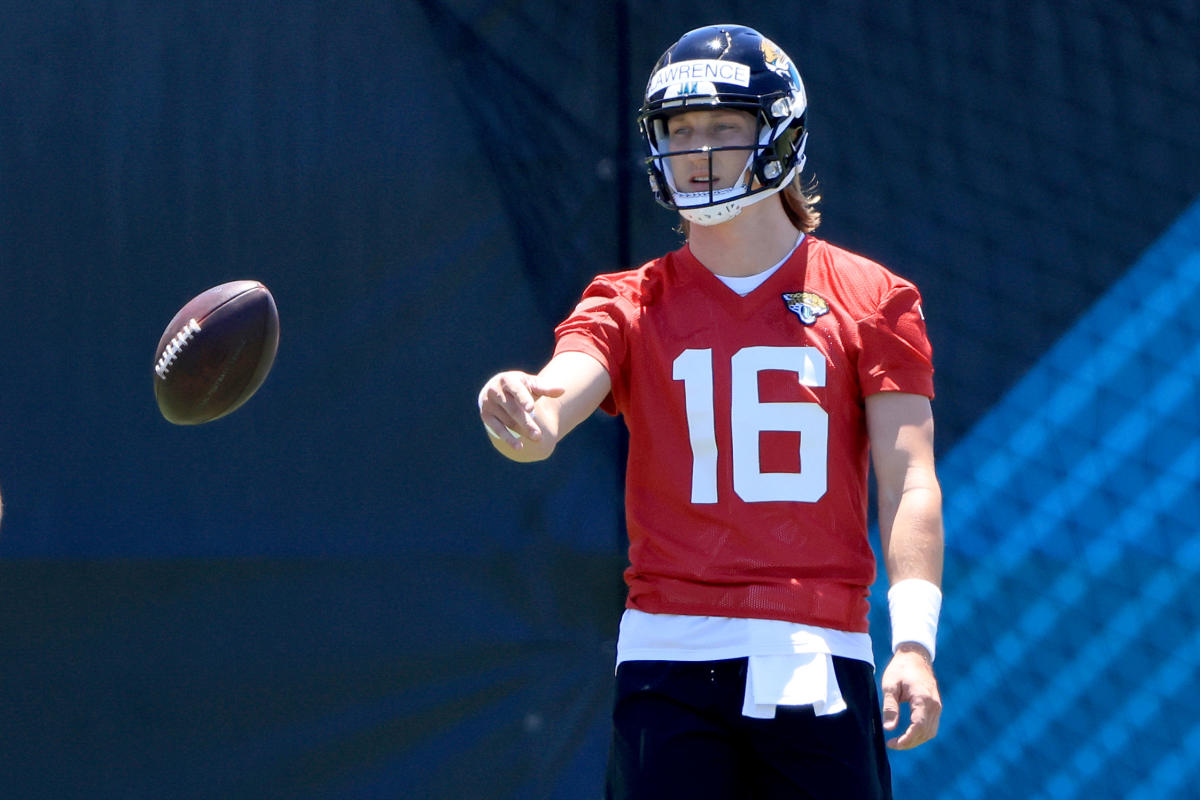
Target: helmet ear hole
780,109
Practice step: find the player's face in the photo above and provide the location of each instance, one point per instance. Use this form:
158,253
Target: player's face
707,130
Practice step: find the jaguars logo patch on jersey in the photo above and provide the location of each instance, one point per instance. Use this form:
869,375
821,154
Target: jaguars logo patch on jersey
806,305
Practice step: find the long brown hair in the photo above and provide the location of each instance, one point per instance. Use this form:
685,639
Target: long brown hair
800,203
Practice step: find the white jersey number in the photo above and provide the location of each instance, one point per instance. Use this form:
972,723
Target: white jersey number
748,417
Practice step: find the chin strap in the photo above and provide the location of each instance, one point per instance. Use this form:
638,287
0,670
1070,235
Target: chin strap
714,215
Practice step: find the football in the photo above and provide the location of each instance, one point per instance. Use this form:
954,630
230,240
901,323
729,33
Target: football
216,352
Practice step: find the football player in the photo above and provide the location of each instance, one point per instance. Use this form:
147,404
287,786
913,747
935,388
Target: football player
760,371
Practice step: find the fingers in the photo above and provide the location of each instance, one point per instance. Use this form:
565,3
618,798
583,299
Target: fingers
910,680
891,710
506,408
498,430
507,403
542,388
922,724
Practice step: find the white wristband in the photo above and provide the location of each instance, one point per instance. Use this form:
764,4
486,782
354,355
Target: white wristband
914,605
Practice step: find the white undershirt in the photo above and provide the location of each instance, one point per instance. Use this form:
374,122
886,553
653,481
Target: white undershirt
788,663
679,637
744,285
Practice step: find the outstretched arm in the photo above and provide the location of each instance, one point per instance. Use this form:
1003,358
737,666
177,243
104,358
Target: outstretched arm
526,415
910,529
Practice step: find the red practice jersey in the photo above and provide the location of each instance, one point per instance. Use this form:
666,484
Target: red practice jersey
746,486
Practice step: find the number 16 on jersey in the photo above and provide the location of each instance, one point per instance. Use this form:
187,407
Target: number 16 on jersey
748,417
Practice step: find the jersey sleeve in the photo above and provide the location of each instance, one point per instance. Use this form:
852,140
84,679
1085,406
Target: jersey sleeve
598,328
896,355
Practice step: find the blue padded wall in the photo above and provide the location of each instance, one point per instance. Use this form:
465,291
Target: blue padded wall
1070,642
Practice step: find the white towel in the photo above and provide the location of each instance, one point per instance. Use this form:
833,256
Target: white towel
795,679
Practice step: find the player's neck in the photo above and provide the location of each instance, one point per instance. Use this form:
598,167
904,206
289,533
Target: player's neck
755,240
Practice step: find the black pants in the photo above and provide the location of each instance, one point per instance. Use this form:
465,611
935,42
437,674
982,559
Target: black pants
678,731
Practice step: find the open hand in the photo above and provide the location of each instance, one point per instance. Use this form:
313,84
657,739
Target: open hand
506,406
